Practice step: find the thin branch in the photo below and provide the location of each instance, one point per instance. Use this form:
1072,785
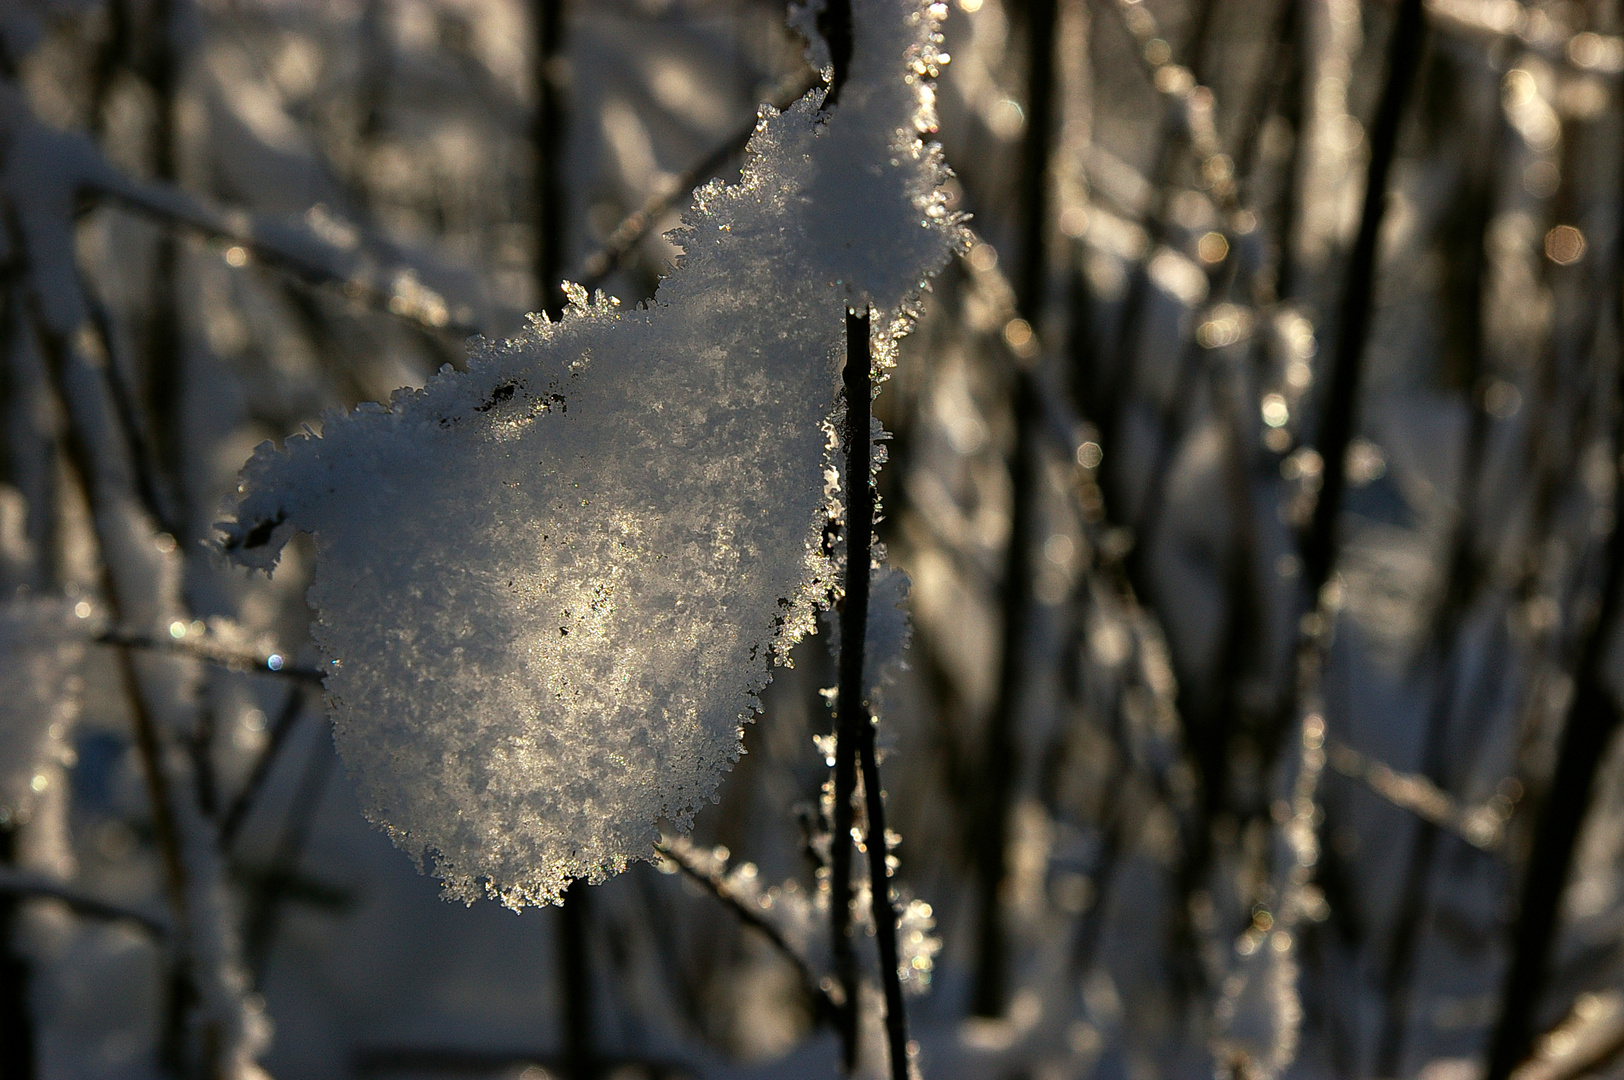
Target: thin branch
547,140
258,243
1539,30
1460,580
232,821
852,702
635,227
260,919
823,1006
204,649
20,883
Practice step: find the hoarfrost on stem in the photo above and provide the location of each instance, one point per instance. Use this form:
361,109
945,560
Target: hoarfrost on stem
41,648
548,588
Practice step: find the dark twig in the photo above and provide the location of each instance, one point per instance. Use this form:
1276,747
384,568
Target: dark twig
232,821
547,136
1591,722
850,711
1340,404
574,965
16,1017
855,743
260,920
884,908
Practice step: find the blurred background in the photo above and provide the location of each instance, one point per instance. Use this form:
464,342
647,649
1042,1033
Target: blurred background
1255,471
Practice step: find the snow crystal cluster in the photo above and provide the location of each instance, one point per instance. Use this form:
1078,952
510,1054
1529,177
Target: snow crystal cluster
549,588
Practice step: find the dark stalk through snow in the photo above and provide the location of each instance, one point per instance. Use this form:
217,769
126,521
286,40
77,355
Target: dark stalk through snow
547,138
854,745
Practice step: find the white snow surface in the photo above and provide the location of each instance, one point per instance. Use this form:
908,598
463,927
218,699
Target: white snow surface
548,588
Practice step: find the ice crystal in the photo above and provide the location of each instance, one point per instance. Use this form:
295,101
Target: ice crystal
548,588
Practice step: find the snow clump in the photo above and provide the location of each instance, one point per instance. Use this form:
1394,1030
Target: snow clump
548,588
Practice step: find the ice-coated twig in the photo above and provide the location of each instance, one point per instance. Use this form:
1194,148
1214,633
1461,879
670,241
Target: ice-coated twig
823,1006
1461,578
1541,30
1481,826
1221,279
48,170
1182,87
138,585
1589,1038
1192,103
20,883
212,652
856,724
635,226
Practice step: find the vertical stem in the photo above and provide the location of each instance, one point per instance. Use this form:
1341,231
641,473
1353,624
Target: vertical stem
573,960
548,138
851,707
575,981
885,911
164,371
1338,411
999,753
999,750
855,720
1592,720
261,920
89,468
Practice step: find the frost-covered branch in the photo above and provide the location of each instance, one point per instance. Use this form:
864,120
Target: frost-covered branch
212,651
824,1007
